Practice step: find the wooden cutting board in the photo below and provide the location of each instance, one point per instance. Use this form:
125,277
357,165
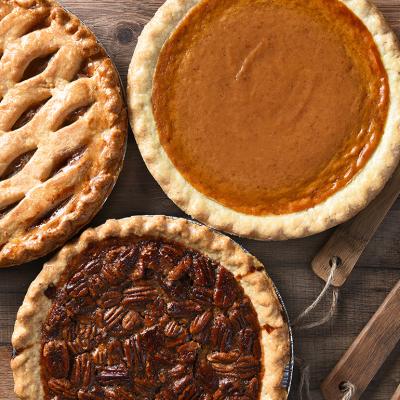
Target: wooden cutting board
117,24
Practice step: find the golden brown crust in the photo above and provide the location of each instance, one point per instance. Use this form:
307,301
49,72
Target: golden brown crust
257,285
71,168
336,209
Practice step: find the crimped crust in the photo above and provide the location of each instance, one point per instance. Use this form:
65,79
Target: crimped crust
257,285
40,207
336,209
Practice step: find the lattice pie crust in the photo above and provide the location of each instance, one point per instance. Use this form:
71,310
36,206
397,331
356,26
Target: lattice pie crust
62,128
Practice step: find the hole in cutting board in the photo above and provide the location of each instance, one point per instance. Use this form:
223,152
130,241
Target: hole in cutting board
337,260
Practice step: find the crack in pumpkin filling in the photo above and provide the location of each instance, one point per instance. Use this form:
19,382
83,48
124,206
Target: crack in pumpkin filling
145,319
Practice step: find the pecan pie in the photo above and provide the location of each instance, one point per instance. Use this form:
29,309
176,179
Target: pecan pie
151,308
63,128
270,119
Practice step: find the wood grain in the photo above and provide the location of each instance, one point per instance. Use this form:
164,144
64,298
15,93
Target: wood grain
368,352
349,240
6,385
117,24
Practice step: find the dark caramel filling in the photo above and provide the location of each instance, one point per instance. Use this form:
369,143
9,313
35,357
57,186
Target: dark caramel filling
143,319
270,106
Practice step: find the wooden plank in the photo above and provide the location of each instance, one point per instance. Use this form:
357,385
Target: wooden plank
371,348
6,380
119,33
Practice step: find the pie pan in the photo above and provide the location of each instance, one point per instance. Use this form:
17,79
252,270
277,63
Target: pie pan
246,325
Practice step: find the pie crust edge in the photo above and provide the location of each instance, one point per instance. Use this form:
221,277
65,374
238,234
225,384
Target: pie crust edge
338,208
257,285
40,242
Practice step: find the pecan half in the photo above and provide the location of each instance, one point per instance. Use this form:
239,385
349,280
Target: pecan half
188,352
224,358
114,352
139,295
169,255
200,322
202,272
133,351
180,270
246,340
113,375
62,387
183,309
56,357
172,329
221,333
118,393
110,299
147,260
243,367
117,264
83,370
113,316
225,291
99,355
131,320
203,294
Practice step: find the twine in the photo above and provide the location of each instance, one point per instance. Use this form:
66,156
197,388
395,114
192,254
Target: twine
335,264
348,389
304,386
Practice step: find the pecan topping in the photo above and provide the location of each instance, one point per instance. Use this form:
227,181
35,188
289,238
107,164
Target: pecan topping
221,333
200,322
131,320
230,364
63,387
118,393
246,338
113,316
83,370
172,329
56,358
225,289
183,309
147,320
139,295
113,375
203,294
110,299
180,270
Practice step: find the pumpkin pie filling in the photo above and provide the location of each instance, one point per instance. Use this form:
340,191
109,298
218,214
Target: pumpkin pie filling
270,107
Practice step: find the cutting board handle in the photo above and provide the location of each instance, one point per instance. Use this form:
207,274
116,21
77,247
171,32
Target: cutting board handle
350,239
366,355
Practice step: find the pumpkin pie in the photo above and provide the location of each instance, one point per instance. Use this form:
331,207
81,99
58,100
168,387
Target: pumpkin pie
270,119
153,308
63,128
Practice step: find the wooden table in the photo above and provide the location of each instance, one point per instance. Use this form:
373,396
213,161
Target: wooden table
117,24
